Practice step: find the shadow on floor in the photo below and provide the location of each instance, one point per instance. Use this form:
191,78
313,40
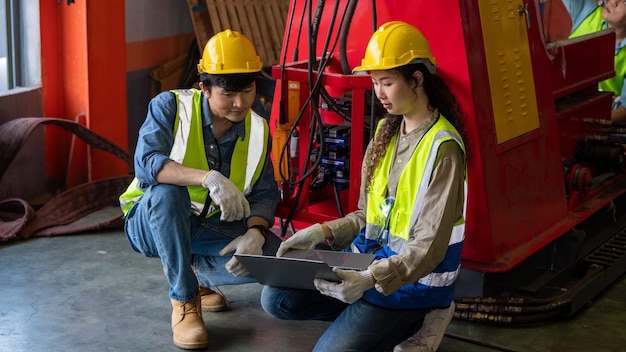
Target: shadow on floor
91,292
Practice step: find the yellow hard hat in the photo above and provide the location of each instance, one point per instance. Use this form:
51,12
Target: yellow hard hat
394,44
229,52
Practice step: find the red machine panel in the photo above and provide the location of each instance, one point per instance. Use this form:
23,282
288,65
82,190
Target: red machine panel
519,200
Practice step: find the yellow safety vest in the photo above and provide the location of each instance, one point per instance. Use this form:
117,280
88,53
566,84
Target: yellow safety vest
246,163
436,288
412,185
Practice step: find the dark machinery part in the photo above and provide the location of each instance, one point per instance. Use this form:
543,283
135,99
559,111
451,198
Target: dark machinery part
578,180
557,281
603,155
316,90
545,265
592,158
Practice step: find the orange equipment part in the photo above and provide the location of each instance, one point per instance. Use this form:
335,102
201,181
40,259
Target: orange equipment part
280,159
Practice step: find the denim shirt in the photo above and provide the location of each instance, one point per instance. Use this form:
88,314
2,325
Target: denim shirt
156,138
579,10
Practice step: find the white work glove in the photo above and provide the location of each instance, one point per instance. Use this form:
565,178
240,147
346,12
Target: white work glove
304,239
350,289
250,242
232,203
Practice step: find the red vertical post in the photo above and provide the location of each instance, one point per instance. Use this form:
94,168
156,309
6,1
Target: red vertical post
83,61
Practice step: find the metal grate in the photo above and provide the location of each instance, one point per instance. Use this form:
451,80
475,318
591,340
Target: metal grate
610,252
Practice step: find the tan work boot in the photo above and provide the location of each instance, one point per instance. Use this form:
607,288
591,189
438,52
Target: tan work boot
211,300
187,325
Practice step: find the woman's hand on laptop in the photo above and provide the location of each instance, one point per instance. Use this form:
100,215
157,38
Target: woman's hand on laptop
306,238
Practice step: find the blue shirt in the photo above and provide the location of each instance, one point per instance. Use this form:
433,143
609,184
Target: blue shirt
156,138
579,10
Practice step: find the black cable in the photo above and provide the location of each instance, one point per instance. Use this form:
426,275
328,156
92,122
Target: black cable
604,122
316,121
520,311
516,301
292,209
307,9
374,17
315,25
333,106
283,152
343,37
295,51
282,112
281,103
373,96
512,309
325,56
308,172
509,320
338,200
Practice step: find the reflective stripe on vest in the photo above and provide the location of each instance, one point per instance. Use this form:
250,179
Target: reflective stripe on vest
256,154
182,124
246,162
446,278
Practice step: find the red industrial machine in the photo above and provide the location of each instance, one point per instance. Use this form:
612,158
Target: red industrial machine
545,229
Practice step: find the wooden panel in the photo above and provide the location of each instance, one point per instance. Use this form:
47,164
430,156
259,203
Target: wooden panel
201,20
263,22
275,31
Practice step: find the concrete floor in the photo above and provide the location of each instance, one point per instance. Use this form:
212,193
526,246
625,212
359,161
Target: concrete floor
91,292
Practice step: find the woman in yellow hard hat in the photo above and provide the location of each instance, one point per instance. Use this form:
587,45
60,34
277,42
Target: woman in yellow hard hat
204,185
411,210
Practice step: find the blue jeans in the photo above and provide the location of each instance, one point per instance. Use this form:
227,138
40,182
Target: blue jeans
359,326
162,225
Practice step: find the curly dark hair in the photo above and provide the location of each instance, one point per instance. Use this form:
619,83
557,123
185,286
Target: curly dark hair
440,98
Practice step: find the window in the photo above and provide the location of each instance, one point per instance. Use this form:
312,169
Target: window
4,48
19,44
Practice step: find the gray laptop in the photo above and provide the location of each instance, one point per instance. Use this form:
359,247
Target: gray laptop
298,268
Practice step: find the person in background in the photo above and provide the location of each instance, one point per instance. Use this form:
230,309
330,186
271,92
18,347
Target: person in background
589,16
204,185
410,213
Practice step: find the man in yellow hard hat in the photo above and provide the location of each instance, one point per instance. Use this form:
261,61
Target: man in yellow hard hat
204,185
